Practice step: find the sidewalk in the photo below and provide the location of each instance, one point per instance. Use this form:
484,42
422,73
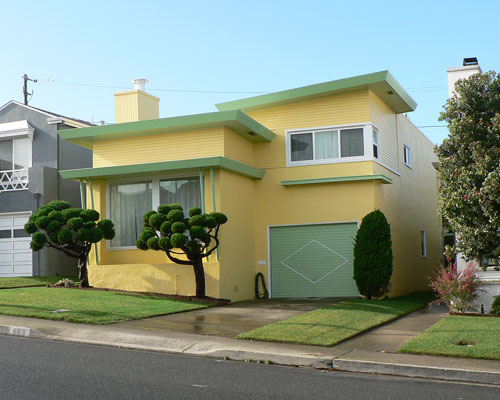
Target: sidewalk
371,352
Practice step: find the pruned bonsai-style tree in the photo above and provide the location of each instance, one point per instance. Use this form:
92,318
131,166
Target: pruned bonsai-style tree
195,237
373,255
70,230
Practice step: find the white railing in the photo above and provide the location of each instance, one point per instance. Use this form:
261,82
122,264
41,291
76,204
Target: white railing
16,179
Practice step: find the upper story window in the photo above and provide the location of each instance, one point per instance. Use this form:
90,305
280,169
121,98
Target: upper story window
325,145
375,142
407,156
15,155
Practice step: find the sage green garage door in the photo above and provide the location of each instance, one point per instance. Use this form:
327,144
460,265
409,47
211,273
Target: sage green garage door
312,260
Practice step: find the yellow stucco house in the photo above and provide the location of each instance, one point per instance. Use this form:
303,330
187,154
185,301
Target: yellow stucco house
295,171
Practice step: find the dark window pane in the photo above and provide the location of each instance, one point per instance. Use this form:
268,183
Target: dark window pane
351,142
5,155
20,233
301,145
375,151
5,234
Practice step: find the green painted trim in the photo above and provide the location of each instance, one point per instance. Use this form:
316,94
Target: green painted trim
379,82
202,190
93,208
83,194
159,168
381,178
236,120
212,184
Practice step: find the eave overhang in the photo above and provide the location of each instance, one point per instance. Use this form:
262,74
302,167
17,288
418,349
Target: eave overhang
162,168
339,179
381,83
236,120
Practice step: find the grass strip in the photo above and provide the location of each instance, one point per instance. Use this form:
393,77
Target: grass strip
89,306
335,323
18,282
459,336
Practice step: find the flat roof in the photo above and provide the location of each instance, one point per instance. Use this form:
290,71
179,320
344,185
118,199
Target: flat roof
381,83
236,120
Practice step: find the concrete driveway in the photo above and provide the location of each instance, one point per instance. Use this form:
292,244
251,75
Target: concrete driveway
229,321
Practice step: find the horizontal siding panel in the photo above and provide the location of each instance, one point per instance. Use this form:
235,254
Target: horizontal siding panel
162,147
348,108
383,117
304,265
238,148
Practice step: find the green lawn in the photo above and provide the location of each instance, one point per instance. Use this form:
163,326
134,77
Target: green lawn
337,322
29,281
88,306
459,336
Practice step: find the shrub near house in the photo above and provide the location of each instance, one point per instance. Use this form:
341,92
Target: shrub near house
70,230
170,231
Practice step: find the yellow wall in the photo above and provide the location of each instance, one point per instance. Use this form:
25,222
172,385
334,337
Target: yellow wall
348,108
385,119
410,205
136,105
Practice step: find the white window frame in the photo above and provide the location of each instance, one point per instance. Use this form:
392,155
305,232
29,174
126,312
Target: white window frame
367,144
10,131
407,156
155,195
423,244
376,132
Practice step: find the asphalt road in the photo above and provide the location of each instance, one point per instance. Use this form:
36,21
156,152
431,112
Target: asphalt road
37,369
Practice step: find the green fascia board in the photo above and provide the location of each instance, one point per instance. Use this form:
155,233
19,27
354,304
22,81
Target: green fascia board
337,179
158,168
235,120
381,83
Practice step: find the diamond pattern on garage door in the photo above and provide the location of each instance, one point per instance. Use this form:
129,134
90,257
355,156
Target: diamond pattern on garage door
312,260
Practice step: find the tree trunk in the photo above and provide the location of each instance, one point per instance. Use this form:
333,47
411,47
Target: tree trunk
199,276
83,273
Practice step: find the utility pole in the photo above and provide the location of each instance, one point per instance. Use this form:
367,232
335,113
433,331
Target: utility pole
25,88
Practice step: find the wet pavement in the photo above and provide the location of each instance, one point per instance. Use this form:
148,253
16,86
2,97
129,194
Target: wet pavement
229,321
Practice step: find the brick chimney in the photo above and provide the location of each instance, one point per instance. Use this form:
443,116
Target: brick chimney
136,104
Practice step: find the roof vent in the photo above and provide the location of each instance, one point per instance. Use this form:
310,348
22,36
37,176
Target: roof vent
470,61
139,83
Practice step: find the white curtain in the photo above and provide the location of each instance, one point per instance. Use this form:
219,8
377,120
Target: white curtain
21,153
326,145
129,202
185,191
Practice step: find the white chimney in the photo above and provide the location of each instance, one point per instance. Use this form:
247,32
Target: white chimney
469,67
139,84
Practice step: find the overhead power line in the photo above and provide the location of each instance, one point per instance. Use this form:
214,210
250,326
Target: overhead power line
433,126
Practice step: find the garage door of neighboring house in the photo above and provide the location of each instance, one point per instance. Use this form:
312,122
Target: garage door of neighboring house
16,257
312,260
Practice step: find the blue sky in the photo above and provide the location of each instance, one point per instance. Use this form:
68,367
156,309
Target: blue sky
236,46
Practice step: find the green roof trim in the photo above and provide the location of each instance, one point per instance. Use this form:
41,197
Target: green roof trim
235,120
381,83
159,168
337,179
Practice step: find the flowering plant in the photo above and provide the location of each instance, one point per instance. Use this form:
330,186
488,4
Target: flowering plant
456,289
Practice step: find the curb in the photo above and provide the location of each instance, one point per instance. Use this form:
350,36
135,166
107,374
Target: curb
418,371
291,360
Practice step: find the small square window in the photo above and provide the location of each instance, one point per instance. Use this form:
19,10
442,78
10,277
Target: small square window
423,244
407,156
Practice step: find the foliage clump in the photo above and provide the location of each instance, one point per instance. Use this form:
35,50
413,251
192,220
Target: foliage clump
70,230
457,290
193,238
373,255
495,307
469,166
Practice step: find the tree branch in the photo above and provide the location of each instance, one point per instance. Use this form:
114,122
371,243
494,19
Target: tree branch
177,260
49,244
